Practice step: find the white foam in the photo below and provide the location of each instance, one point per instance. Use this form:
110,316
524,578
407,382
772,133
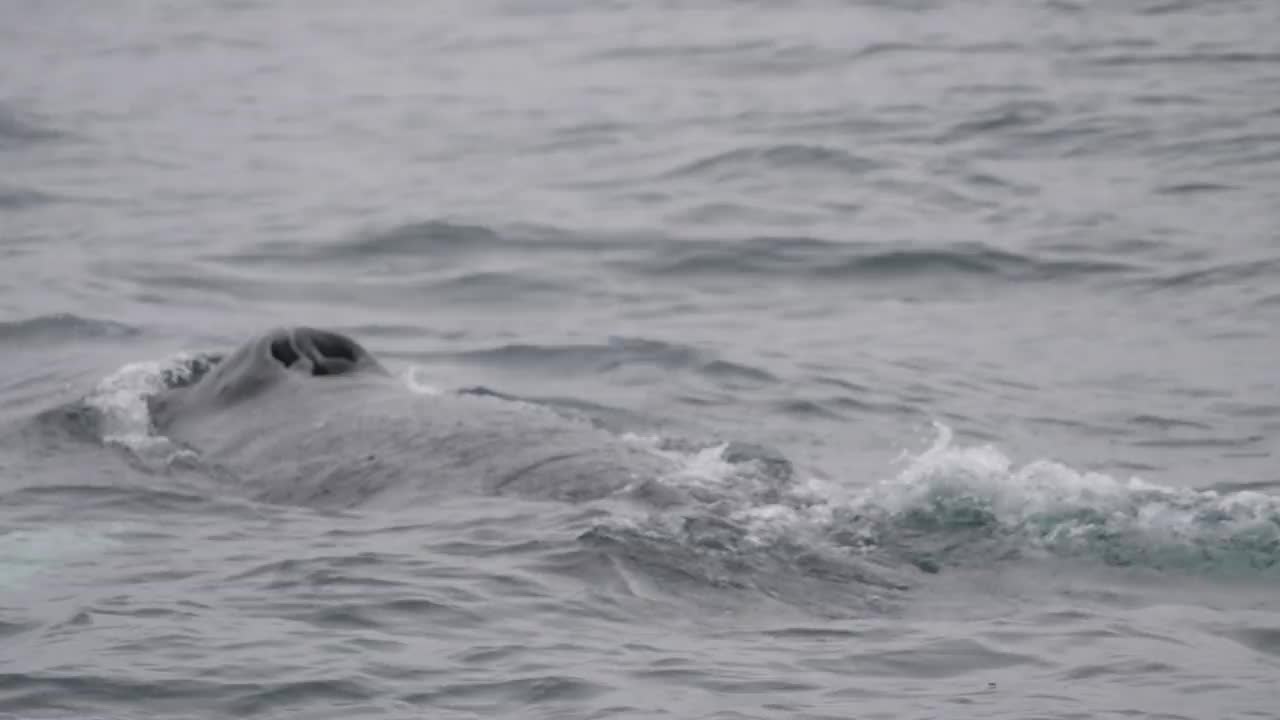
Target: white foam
1042,504
121,401
413,381
1042,490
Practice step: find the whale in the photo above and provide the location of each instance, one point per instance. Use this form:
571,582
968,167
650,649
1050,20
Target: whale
308,416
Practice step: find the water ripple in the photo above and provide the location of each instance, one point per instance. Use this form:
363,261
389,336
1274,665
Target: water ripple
64,327
745,162
826,260
18,129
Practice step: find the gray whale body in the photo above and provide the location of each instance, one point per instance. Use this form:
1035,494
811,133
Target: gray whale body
308,416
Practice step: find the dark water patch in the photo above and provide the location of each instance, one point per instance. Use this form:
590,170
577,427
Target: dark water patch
1269,301
64,327
520,692
856,406
1269,487
1228,150
18,198
777,59
806,409
393,332
1171,7
1167,423
420,238
667,50
10,629
821,634
768,687
388,615
617,353
1222,274
71,497
1121,667
1195,58
56,427
434,240
934,659
990,180
19,129
39,693
1016,130
431,238
391,286
497,288
747,162
724,369
151,612
1006,116
749,212
811,258
1168,100
581,136
487,656
1078,426
1202,442
294,570
278,697
1194,188
842,384
1265,640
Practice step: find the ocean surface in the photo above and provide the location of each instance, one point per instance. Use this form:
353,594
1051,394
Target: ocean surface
991,289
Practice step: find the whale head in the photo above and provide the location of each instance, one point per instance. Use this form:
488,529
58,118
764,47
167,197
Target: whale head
275,358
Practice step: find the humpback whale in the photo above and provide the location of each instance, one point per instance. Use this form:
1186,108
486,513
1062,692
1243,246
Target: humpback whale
308,416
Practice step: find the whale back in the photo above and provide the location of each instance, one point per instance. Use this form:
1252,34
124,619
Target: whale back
310,417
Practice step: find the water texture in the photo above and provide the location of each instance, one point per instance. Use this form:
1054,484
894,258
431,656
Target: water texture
957,321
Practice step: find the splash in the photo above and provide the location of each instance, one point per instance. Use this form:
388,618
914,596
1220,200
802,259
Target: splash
121,403
1046,506
953,505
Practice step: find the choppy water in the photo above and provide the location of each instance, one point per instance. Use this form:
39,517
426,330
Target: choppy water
1001,280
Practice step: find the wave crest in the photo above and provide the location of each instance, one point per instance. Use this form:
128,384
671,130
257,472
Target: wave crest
952,507
816,259
1050,507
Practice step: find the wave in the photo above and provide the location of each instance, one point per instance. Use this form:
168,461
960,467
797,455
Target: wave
770,57
1194,58
1220,274
619,352
951,507
751,160
821,259
433,239
18,198
63,327
1003,117
1045,507
17,129
407,251
88,694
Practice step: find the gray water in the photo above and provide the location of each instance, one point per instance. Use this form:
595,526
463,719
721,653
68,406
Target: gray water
1000,280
